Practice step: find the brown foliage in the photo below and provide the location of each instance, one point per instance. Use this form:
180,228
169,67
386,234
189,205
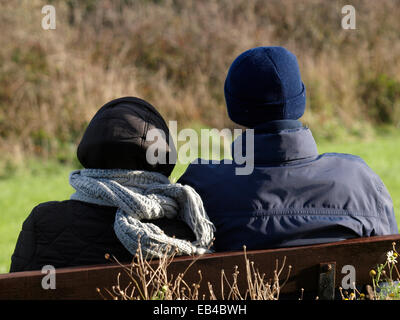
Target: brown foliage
176,54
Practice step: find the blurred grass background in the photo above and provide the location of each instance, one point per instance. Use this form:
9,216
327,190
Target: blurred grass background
176,55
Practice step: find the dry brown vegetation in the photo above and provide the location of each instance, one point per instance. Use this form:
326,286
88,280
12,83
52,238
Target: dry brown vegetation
145,279
152,280
176,54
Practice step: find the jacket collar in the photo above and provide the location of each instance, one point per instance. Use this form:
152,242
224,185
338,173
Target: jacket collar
277,125
280,141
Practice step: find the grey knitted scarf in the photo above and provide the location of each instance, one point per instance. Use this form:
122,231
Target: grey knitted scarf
146,195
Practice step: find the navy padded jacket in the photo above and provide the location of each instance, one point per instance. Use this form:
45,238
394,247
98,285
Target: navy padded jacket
294,196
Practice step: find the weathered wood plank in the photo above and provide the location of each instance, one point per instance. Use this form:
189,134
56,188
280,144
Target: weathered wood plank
81,282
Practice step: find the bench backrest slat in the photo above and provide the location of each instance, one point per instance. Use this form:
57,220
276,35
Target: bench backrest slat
81,282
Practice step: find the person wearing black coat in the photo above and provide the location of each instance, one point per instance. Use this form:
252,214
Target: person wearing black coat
75,233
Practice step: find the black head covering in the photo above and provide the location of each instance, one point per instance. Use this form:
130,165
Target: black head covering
116,137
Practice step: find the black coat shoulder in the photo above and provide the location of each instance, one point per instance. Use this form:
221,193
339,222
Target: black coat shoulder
67,233
74,233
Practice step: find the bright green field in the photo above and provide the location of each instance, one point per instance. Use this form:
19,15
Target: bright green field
45,181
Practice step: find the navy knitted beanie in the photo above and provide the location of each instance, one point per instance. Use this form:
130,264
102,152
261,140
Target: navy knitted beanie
264,84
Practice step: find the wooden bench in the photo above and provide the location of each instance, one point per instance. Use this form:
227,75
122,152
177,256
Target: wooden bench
309,270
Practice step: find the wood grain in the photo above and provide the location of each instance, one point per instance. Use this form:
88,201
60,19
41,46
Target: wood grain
81,282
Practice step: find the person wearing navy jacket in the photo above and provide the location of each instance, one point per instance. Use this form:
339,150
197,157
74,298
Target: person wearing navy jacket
294,195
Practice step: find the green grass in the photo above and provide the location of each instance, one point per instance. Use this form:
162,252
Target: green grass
20,192
25,188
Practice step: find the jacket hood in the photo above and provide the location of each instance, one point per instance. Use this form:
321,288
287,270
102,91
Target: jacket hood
116,137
